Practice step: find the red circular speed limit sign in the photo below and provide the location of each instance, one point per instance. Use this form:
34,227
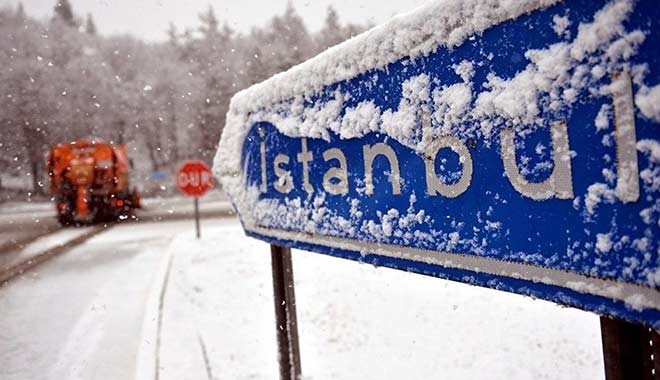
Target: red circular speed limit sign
194,178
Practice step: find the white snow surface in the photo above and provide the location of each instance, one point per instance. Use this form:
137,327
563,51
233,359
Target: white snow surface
13,213
602,121
79,316
648,102
561,24
93,313
357,321
41,245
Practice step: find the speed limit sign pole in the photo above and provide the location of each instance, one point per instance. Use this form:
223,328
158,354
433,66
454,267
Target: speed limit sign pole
194,179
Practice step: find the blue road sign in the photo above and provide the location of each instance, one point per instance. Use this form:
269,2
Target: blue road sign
511,145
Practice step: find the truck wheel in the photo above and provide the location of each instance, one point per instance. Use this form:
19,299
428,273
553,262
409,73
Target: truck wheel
65,220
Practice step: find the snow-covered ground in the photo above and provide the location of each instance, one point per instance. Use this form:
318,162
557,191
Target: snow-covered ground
12,213
80,315
21,221
20,212
41,245
213,202
213,199
93,313
360,322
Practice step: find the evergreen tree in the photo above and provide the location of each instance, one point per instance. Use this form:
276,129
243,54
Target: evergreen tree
332,32
169,99
290,41
173,35
64,12
331,19
20,12
90,26
210,23
256,67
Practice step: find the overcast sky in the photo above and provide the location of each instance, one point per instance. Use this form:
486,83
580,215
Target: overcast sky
149,19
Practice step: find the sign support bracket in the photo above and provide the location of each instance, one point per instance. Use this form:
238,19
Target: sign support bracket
630,351
286,324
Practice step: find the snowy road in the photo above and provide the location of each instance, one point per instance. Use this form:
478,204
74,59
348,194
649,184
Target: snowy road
111,309
80,315
22,223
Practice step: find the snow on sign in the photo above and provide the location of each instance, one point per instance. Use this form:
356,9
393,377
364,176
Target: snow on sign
508,144
194,178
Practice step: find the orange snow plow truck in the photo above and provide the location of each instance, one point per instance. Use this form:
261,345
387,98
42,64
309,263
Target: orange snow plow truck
89,180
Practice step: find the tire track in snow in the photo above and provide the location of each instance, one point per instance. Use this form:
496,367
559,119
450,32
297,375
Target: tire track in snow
207,362
164,287
161,303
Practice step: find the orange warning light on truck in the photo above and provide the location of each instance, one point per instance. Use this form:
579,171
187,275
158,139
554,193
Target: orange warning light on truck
89,180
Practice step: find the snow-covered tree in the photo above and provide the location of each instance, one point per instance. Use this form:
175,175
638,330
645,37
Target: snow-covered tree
173,35
20,12
168,100
214,58
289,40
90,26
64,12
331,34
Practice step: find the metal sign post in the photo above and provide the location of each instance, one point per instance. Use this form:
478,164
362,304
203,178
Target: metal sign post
197,231
194,179
630,351
285,313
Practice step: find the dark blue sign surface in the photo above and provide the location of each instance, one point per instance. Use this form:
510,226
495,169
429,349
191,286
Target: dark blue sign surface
524,158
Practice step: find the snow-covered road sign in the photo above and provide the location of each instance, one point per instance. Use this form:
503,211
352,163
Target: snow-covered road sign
507,144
